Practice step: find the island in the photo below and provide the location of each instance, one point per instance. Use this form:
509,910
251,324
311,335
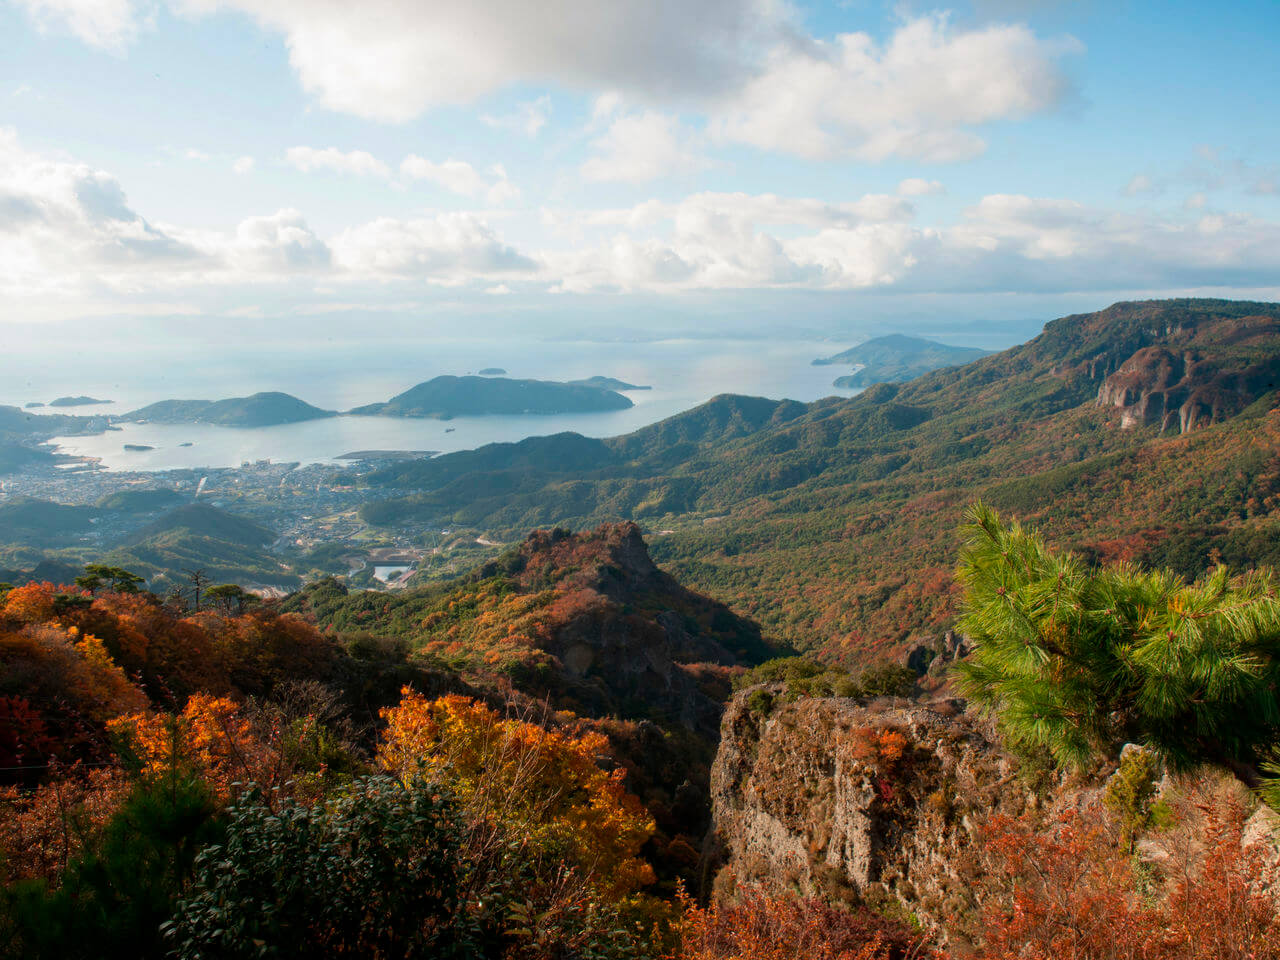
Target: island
386,455
896,358
446,397
607,383
33,404
137,447
493,372
259,410
76,402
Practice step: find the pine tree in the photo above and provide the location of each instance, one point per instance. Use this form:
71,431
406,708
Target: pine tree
1077,661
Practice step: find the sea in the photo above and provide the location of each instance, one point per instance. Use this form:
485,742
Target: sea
339,375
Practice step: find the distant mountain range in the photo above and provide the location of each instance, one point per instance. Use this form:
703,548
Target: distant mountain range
1144,431
441,398
896,358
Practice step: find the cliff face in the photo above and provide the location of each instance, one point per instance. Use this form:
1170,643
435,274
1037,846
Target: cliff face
1195,375
855,800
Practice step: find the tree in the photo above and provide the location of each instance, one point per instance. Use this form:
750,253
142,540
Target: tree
542,784
97,575
230,598
199,580
1077,661
372,873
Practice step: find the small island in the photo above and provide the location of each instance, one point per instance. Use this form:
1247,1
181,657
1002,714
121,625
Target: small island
895,359
493,372
33,404
259,410
386,455
137,447
608,383
445,397
76,402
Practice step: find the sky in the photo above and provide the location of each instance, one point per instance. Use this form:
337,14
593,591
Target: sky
632,169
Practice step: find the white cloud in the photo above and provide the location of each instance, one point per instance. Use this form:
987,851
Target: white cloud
357,162
917,187
528,117
920,96
392,59
460,177
279,243
243,165
639,147
109,24
456,176
450,248
191,153
61,220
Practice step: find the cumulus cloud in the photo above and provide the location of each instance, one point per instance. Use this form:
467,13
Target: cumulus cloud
59,219
357,162
450,248
1004,243
919,96
279,243
917,187
460,177
109,24
639,147
243,165
392,59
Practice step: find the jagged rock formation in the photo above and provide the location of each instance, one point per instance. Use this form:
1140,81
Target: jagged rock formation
877,801
1196,375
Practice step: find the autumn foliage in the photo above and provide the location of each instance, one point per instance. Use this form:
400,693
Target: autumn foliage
1068,891
546,784
759,926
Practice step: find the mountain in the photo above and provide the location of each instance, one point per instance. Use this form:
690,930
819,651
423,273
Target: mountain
226,547
834,523
896,358
140,501
586,619
259,410
445,397
27,520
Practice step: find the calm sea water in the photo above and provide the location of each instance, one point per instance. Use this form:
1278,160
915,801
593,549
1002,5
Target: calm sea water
338,376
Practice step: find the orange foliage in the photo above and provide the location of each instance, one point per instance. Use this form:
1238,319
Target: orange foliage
757,926
212,735
42,829
1072,894
545,784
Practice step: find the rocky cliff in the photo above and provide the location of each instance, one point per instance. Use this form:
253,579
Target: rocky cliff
1195,375
876,801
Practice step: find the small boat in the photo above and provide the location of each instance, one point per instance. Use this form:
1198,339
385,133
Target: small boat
450,429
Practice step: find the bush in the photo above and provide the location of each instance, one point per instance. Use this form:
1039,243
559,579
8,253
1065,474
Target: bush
373,873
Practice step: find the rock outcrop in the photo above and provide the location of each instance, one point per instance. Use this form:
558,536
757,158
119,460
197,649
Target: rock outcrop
1195,377
876,801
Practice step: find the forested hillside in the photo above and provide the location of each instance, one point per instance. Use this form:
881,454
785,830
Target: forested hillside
832,523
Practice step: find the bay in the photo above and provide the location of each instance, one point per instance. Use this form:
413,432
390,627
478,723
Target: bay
339,375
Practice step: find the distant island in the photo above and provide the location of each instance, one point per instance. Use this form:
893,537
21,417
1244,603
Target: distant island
607,383
896,358
386,455
76,402
137,447
493,372
259,410
446,397
33,404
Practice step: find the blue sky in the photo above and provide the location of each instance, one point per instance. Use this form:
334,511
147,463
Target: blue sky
661,166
